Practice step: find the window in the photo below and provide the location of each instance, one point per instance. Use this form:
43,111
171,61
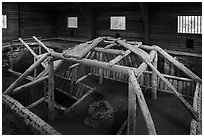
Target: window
190,24
4,21
72,22
118,23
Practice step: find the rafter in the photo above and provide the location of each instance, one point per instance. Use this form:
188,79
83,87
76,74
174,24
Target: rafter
120,57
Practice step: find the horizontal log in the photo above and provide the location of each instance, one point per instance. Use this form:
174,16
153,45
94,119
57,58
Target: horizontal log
34,104
95,63
28,116
16,90
110,51
19,74
19,80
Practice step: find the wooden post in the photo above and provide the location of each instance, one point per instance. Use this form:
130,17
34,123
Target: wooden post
154,77
142,103
11,55
35,70
101,70
51,109
131,127
166,66
40,50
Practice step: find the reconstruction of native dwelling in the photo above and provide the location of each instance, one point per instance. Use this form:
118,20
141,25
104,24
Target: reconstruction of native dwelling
102,68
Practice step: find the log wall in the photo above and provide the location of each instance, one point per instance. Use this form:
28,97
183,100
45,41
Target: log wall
27,20
63,31
12,12
163,25
134,24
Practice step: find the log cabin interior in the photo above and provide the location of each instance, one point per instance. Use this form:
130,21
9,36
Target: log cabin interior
102,68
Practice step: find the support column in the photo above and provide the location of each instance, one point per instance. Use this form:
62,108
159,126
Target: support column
35,70
51,109
100,69
131,126
154,77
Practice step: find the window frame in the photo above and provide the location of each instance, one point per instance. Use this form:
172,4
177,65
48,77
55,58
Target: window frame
4,21
189,24
75,26
112,27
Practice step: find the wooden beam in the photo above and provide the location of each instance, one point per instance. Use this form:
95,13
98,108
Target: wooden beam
142,103
79,101
28,47
154,78
145,58
143,66
120,57
110,51
34,104
82,78
31,51
100,69
178,64
196,126
16,90
122,127
11,55
19,74
19,80
56,105
51,109
43,45
174,91
29,117
95,63
132,104
110,45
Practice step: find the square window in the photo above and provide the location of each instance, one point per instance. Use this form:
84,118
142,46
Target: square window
118,23
72,22
4,21
190,24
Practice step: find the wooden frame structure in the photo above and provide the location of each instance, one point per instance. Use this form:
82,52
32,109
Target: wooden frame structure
84,54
